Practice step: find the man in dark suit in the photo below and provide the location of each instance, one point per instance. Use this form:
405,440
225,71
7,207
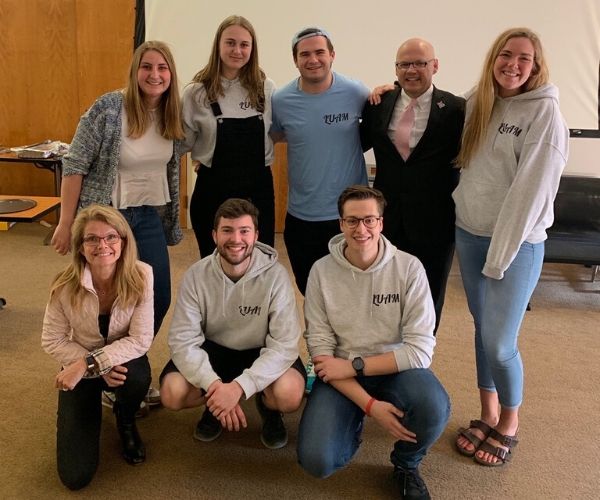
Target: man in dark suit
415,134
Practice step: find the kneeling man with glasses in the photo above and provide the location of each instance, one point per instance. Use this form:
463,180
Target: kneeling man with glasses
369,330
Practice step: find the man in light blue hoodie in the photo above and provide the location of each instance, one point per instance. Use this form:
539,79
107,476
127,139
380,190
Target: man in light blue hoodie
235,333
369,329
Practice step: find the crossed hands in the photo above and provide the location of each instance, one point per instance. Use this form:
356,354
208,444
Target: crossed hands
389,417
116,376
70,375
222,400
331,369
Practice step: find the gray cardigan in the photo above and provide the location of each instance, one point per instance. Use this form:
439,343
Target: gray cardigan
94,154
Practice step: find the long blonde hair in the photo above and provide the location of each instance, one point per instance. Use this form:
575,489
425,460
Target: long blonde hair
252,77
487,89
169,108
130,281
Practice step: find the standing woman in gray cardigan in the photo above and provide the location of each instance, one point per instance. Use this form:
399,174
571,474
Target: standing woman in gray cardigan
126,153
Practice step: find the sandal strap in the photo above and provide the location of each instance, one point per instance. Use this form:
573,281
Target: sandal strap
504,440
500,453
472,438
481,425
469,436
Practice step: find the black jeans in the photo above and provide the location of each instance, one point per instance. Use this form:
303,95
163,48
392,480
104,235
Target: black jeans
80,417
306,242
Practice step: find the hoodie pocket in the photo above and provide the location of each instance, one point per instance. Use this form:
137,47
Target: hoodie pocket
478,204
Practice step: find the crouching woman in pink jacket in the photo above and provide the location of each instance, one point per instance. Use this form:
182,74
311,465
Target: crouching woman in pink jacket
99,325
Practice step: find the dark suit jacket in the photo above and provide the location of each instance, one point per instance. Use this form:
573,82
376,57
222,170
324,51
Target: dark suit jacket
418,191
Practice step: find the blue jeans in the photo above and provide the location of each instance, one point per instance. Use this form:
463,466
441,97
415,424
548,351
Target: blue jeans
330,429
152,249
498,307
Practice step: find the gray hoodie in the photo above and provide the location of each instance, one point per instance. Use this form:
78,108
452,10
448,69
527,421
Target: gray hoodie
386,308
259,310
507,191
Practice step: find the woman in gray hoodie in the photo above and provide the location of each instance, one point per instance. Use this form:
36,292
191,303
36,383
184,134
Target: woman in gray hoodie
514,149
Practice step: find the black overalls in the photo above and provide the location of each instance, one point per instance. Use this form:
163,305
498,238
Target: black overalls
238,171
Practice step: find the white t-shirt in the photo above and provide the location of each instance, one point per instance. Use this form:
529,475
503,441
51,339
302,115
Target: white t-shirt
142,172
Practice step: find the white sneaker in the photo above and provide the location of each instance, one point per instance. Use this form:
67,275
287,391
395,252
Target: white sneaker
153,397
108,399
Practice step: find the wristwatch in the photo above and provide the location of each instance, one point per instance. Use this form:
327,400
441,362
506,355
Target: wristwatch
90,362
359,365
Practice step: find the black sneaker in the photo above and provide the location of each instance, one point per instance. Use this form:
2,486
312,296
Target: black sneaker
208,427
412,486
274,435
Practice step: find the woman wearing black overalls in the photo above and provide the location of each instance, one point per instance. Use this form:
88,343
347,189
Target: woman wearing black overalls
227,116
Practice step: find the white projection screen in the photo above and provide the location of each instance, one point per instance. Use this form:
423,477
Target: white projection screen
367,34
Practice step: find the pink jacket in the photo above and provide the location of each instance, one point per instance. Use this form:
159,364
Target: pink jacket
70,334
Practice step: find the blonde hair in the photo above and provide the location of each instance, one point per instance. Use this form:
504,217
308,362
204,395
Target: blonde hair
130,281
169,108
252,77
487,89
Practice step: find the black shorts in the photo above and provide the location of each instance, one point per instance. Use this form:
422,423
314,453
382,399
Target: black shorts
229,363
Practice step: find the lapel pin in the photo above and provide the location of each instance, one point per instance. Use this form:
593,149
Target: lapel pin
441,104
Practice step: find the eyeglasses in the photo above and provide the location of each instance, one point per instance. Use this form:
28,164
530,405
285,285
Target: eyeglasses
370,222
416,64
93,241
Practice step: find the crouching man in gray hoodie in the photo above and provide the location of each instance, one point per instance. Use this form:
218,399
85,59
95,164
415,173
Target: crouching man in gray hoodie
235,333
369,329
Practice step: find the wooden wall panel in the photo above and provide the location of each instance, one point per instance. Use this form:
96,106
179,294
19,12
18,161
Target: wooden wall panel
104,47
57,57
280,185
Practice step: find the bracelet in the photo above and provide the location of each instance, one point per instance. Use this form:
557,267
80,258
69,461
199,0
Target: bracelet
368,407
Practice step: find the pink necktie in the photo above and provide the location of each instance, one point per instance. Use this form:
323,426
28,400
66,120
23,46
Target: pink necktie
404,128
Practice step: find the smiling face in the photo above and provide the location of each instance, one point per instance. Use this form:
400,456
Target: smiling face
153,76
102,255
235,48
361,240
235,239
415,81
314,60
513,66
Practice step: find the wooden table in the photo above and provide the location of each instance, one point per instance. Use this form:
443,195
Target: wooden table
53,164
45,205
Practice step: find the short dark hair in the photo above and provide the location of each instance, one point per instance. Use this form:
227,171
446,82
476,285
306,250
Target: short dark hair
234,208
308,33
357,192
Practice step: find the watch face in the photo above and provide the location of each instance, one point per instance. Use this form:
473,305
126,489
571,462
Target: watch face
358,364
90,362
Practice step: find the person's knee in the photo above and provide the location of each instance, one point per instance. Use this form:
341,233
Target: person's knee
170,399
172,394
499,354
315,462
286,393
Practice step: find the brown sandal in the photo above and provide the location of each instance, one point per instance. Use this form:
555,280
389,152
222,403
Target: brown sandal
472,438
501,454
